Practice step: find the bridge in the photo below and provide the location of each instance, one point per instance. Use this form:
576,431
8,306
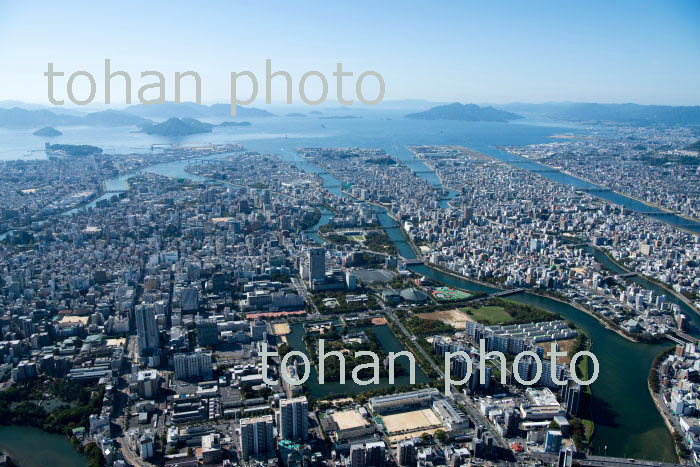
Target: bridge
505,293
628,275
681,338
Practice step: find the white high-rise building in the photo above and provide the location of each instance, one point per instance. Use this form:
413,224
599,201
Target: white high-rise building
146,328
317,263
294,418
193,366
256,436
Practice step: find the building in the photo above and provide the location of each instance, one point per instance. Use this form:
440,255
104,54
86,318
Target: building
552,442
372,454
194,366
294,418
207,333
256,436
147,384
406,454
317,263
211,449
146,329
404,401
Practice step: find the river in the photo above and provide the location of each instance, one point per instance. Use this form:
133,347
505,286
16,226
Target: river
32,447
627,422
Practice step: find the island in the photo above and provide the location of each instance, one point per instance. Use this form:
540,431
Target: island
174,127
71,150
229,124
48,132
464,112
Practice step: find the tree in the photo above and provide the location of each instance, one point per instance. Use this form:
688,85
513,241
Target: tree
441,436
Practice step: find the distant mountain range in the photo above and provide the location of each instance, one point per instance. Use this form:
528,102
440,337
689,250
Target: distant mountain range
17,117
22,118
192,110
617,113
15,114
465,112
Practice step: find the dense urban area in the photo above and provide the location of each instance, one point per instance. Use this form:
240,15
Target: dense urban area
169,322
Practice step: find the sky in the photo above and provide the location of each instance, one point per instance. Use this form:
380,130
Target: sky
483,52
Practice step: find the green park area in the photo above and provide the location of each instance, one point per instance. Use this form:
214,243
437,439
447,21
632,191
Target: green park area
499,311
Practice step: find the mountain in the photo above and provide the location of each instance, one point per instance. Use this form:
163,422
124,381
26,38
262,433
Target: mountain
618,113
22,118
48,132
175,127
113,118
464,112
192,110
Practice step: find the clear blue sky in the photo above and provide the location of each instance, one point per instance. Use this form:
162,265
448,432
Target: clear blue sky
468,51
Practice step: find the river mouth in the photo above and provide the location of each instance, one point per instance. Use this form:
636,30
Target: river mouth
626,419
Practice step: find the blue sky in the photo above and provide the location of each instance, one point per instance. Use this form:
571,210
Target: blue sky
468,51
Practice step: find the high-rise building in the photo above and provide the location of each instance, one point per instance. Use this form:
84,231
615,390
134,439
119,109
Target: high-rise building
189,299
294,418
566,458
207,333
147,384
317,263
406,454
572,397
146,328
371,454
256,436
194,366
552,441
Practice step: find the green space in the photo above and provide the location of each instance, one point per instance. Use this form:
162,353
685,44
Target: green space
490,315
497,311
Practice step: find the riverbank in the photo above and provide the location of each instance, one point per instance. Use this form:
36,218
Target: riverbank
593,315
626,270
661,407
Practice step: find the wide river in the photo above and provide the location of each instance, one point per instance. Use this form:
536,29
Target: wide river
627,423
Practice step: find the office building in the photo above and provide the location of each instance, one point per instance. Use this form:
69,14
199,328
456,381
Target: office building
146,329
317,263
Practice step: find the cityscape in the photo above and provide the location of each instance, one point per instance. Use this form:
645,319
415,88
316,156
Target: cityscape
447,279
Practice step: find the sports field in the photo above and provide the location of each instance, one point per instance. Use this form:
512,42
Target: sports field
410,421
450,294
